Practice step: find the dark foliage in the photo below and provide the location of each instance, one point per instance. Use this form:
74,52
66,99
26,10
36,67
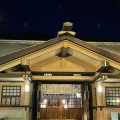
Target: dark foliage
95,38
31,35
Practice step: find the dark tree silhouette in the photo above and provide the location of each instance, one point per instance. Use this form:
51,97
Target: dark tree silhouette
37,36
95,38
3,28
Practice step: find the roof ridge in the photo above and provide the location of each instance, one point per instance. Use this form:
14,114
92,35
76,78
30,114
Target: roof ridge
104,43
22,41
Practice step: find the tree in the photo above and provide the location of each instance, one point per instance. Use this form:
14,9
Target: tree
3,30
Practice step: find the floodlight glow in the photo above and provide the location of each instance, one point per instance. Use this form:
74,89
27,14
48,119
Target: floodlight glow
117,100
27,88
100,88
43,106
45,101
63,101
113,100
78,95
65,106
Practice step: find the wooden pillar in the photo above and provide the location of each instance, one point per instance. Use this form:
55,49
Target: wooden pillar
34,99
99,114
90,102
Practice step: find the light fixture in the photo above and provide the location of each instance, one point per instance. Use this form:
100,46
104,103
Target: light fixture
65,106
27,79
113,101
104,77
45,101
117,100
99,88
63,101
43,106
27,88
99,79
47,74
78,95
76,74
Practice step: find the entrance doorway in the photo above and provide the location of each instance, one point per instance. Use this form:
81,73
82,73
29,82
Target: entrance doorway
60,101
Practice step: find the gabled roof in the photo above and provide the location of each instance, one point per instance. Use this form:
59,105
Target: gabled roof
33,48
10,46
113,47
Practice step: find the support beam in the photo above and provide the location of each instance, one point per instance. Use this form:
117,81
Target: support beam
104,77
100,77
9,70
97,78
62,69
64,49
25,64
63,62
113,70
83,64
13,77
9,65
13,69
16,73
64,52
101,66
38,65
111,78
63,78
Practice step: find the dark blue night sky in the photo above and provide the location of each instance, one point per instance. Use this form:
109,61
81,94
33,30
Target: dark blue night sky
90,17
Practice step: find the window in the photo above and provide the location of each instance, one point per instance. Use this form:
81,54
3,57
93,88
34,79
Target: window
11,95
71,101
112,96
50,100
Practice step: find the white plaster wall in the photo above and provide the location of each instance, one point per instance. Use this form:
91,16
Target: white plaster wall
13,113
16,113
105,112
